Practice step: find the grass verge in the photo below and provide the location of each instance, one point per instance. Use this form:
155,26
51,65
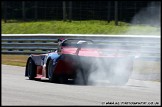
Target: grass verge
16,60
76,27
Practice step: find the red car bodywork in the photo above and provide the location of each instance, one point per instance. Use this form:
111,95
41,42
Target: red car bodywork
73,58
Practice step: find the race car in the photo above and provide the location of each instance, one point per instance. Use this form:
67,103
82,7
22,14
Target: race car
77,59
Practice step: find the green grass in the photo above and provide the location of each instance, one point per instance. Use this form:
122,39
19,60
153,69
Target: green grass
76,27
16,60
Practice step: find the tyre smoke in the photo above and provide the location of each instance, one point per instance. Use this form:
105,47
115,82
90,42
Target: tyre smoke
116,70
111,67
148,16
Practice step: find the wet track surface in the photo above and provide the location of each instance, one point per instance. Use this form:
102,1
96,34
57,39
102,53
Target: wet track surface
18,90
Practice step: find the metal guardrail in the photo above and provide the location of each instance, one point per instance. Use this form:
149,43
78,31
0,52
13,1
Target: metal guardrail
148,47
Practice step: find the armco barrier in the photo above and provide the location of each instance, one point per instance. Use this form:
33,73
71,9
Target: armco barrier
147,47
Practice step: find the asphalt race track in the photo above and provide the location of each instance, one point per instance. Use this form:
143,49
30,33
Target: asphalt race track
19,90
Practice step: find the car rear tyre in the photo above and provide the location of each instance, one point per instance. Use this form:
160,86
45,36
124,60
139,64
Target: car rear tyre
31,69
80,78
51,67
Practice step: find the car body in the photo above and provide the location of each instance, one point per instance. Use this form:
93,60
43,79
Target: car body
76,59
